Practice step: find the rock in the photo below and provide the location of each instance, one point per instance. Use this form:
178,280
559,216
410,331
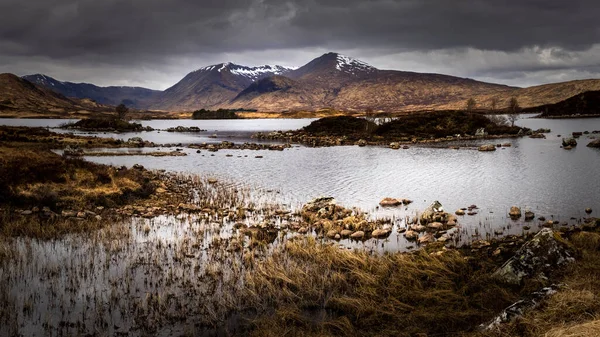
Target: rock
346,233
506,145
542,254
529,215
451,223
418,228
537,135
411,235
519,308
515,212
401,230
73,151
435,225
428,237
69,214
357,235
394,146
390,202
26,212
98,218
407,201
212,180
595,144
480,132
569,142
303,230
588,210
319,203
135,141
337,237
332,233
487,147
361,142
459,212
526,228
429,214
379,233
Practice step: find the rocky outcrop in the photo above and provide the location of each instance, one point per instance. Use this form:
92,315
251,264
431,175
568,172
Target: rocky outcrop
542,254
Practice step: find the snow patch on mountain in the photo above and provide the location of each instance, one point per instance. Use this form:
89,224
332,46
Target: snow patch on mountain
351,65
252,73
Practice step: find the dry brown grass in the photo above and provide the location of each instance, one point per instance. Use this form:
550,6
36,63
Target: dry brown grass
308,288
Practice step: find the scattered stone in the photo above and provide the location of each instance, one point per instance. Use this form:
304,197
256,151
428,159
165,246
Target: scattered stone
435,225
26,212
427,238
529,215
303,230
588,210
332,233
212,180
394,146
595,143
459,212
379,233
361,142
346,233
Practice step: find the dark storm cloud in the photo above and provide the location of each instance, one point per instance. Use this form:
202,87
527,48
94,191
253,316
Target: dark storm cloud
84,34
62,28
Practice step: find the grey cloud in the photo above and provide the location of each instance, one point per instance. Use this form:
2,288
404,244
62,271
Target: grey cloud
134,35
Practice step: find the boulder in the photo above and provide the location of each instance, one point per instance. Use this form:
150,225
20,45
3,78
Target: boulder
529,215
487,147
430,213
426,239
569,142
542,254
515,212
588,210
595,143
435,225
361,142
380,233
357,235
346,233
332,233
390,202
394,146
459,212
411,235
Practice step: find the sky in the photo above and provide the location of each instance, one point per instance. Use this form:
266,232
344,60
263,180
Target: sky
154,43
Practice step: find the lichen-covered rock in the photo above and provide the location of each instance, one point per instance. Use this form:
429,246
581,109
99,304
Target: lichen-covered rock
518,308
546,251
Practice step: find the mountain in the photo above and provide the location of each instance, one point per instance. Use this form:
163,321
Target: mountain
21,96
212,86
134,97
329,81
340,82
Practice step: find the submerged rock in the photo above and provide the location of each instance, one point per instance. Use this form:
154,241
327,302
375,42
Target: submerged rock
390,202
546,251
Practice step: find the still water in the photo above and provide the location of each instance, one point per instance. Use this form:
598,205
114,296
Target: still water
533,173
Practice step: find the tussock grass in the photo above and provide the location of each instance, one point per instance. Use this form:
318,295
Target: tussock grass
318,289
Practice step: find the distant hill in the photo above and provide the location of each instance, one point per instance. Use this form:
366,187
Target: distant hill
133,97
19,96
586,103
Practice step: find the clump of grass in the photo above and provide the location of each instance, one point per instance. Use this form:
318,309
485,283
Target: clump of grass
318,289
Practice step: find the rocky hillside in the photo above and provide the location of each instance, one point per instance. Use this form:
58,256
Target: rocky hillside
19,96
134,97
